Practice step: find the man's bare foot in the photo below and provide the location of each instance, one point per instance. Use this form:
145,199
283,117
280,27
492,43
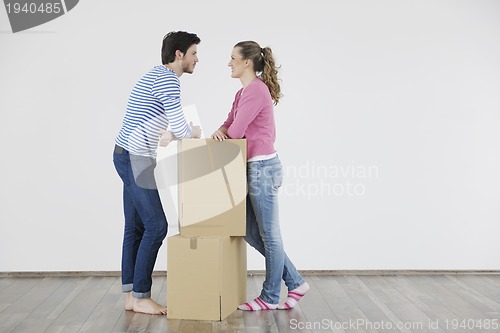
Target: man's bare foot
147,305
129,301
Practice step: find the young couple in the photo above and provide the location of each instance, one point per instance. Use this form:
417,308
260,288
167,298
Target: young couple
153,105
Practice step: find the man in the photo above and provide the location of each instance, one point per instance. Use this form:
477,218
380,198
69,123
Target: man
153,105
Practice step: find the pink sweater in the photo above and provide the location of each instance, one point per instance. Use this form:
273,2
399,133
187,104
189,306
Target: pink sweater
252,117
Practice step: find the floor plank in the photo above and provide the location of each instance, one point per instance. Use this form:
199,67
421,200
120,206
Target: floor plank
374,314
461,308
341,302
407,315
5,282
482,291
423,300
336,303
29,302
43,316
107,311
82,305
14,302
317,310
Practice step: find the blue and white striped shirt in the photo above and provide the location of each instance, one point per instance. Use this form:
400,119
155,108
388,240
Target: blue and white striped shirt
153,105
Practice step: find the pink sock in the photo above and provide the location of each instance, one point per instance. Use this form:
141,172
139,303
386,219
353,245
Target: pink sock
257,305
294,296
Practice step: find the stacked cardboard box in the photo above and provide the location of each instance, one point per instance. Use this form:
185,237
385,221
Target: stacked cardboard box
206,269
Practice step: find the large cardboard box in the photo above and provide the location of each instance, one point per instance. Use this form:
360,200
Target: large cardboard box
212,187
206,277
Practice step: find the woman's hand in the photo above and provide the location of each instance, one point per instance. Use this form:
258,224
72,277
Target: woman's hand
219,135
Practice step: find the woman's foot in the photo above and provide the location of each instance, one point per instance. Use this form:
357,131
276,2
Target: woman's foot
148,306
294,296
257,305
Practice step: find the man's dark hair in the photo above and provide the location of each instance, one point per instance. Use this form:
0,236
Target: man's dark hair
176,40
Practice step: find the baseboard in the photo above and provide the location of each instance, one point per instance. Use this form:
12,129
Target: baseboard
70,274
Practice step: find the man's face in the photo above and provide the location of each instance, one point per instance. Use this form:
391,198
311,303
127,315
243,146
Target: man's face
190,59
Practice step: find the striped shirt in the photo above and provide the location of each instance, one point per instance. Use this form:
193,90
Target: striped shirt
153,105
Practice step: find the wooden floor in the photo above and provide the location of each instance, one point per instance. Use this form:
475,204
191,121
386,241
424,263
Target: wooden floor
338,303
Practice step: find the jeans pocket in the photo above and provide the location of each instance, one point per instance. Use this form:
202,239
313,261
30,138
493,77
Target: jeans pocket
277,177
143,171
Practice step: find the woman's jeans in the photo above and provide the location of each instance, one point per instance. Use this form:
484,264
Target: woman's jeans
145,221
263,231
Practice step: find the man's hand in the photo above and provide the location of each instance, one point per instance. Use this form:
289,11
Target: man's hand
165,138
195,131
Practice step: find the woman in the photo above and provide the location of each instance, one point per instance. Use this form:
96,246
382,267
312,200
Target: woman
251,117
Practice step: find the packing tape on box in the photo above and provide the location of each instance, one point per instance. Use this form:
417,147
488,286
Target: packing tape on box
193,244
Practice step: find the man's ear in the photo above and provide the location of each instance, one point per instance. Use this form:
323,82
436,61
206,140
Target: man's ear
179,54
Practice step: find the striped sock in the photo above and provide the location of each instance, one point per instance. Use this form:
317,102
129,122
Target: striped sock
257,305
294,296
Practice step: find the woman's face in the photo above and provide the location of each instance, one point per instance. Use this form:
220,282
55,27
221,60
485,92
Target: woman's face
237,63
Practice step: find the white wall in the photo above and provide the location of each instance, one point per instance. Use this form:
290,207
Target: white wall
389,128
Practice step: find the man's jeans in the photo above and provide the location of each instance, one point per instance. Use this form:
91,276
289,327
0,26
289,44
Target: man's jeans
145,221
263,230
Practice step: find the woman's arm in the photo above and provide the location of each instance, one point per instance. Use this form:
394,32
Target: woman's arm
249,106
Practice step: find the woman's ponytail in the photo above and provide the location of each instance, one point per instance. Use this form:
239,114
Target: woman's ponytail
270,74
263,62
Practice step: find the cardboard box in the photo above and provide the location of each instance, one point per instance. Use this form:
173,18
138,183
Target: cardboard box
212,187
206,277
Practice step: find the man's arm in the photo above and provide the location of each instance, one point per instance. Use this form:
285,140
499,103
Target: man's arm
167,89
167,136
